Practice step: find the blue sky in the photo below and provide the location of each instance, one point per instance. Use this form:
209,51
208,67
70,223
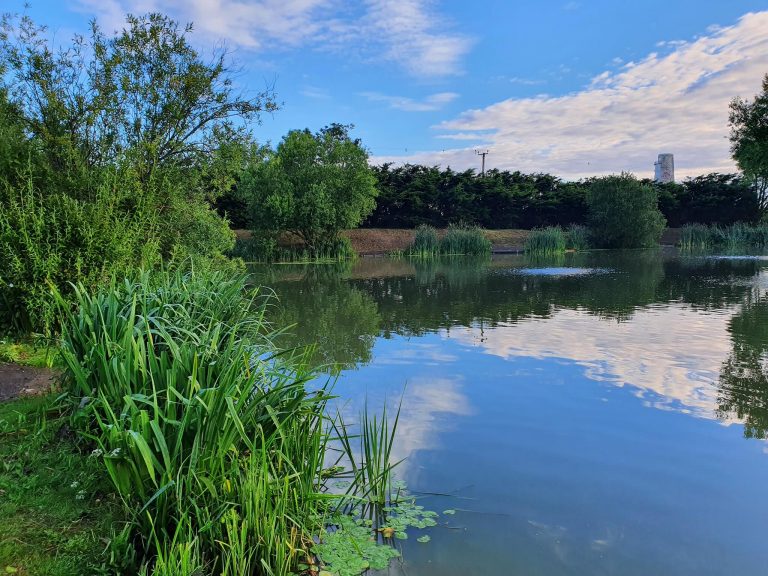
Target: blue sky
574,88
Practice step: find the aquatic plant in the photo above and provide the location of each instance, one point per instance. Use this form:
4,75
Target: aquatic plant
739,236
546,241
577,237
464,240
458,240
425,243
265,249
207,432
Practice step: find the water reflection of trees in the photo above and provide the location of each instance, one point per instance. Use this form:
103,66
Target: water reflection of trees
343,311
327,312
743,388
442,295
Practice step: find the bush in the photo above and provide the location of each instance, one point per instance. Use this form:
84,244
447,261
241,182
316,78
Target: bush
546,241
52,240
624,213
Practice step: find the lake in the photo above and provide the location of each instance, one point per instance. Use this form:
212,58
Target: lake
599,413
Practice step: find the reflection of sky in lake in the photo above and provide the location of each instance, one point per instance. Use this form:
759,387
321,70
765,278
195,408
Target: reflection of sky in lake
673,352
575,428
554,472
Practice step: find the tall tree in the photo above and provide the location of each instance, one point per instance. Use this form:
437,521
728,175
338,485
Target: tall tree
749,142
624,213
313,185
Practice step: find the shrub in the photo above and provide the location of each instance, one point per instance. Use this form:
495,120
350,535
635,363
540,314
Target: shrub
51,240
546,241
624,213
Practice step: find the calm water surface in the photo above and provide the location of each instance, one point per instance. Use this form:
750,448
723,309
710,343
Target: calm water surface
604,413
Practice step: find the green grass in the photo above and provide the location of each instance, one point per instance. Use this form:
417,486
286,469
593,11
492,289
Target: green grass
57,513
36,354
546,241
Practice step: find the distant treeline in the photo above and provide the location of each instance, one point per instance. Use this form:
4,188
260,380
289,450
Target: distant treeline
410,195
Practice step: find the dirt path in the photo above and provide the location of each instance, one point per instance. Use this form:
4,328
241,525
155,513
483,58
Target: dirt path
16,380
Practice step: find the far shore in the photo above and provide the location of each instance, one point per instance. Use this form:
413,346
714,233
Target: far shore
378,241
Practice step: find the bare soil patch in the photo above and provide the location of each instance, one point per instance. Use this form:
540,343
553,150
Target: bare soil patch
16,380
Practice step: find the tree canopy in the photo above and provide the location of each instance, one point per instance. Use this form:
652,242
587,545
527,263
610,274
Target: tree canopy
749,141
111,150
624,213
313,184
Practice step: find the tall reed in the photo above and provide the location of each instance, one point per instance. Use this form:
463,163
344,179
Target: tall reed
465,241
425,244
546,241
577,237
738,236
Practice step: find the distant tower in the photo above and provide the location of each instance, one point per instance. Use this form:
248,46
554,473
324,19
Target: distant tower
665,168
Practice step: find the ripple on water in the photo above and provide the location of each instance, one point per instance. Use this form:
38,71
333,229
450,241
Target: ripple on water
738,257
561,271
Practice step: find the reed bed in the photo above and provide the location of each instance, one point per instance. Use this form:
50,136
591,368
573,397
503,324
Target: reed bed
425,244
459,240
546,241
209,434
737,236
258,249
577,237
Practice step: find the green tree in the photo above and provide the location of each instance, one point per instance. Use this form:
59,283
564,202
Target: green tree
135,132
313,185
624,213
749,142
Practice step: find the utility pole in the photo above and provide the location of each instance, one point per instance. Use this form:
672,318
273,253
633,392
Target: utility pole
483,154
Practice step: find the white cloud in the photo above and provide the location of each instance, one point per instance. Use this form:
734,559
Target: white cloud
407,32
414,36
428,104
676,102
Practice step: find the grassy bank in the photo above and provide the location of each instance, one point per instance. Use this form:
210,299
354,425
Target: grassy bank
57,514
36,354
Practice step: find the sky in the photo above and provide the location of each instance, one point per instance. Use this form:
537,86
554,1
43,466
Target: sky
571,88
